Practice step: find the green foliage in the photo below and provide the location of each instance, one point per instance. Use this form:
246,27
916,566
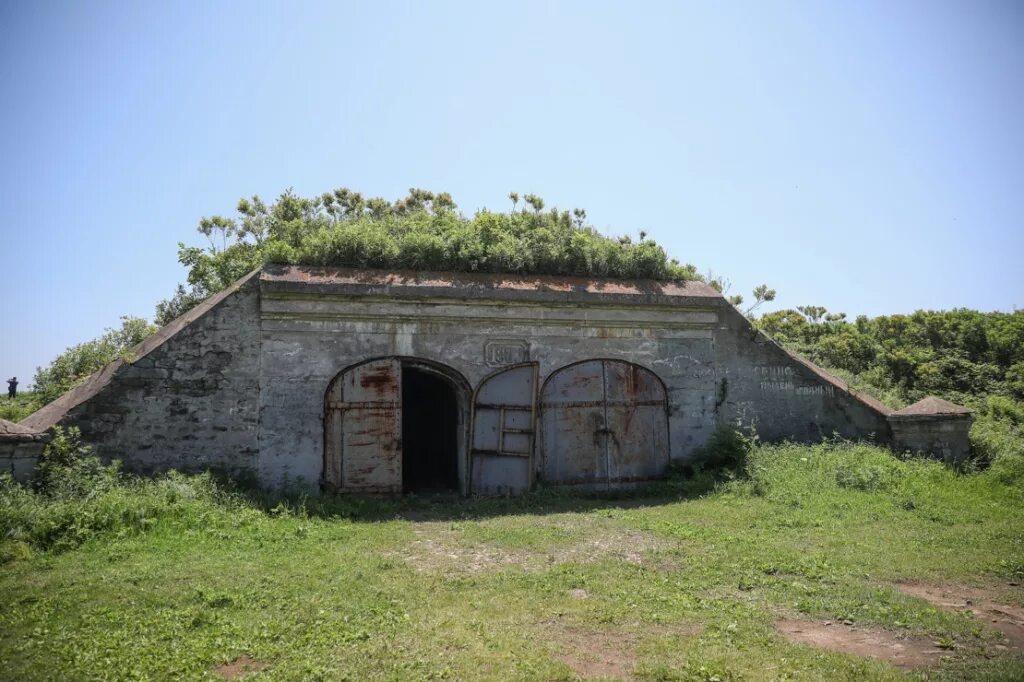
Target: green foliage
762,293
966,356
75,498
68,469
962,355
725,453
24,404
78,362
423,231
997,437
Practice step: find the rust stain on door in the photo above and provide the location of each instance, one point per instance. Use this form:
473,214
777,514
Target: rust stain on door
604,422
362,429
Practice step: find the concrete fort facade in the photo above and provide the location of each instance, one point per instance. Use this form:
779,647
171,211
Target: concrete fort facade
360,381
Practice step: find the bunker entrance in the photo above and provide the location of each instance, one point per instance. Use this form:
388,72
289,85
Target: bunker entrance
430,433
604,422
394,425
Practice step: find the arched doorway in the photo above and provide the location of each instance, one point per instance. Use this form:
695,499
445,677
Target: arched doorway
396,424
430,432
603,422
504,411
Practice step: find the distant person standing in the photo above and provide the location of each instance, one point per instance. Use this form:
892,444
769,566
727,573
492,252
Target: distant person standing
12,387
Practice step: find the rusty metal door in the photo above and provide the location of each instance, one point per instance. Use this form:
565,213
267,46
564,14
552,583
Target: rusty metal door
504,406
363,427
636,423
603,422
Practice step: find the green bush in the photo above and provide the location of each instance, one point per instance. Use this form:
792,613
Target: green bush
24,404
961,355
78,362
67,468
723,456
74,497
131,505
1001,407
998,441
423,231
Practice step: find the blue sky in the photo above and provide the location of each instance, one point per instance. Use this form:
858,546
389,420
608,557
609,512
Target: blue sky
868,156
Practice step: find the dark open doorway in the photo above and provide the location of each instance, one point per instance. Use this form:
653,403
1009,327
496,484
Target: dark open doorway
430,433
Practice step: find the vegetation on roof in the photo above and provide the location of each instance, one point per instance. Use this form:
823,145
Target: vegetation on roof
423,231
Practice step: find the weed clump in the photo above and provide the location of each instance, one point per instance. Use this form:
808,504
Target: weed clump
723,458
75,497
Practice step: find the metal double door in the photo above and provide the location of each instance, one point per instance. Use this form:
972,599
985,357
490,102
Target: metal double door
603,422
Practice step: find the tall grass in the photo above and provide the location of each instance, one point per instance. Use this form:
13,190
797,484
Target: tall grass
74,498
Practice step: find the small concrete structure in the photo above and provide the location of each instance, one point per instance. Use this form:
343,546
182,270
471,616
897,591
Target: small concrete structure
362,381
20,448
933,426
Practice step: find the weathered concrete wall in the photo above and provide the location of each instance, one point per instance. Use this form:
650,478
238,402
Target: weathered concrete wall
307,341
715,368
240,383
19,457
945,437
773,392
187,404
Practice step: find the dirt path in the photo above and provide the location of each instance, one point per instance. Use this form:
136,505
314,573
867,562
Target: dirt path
985,605
902,652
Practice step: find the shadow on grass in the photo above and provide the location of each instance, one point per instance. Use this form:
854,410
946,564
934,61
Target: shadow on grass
451,507
722,458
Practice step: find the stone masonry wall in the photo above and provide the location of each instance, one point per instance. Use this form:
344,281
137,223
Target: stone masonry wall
241,386
19,457
190,404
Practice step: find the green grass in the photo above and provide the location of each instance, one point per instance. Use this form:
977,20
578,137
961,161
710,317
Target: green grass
24,404
168,579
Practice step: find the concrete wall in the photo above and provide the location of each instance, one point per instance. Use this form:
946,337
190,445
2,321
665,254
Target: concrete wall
307,341
190,403
769,390
19,456
946,437
242,386
716,370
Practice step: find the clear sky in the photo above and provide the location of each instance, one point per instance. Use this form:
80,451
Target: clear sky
864,156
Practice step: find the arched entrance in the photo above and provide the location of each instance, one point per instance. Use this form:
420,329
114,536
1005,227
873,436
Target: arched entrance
394,425
430,432
603,422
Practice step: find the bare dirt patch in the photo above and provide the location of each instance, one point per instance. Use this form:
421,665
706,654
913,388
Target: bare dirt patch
438,548
241,666
902,652
604,653
593,654
986,605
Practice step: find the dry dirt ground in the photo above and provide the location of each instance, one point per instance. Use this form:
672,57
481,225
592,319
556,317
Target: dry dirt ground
439,549
594,654
987,605
241,666
903,652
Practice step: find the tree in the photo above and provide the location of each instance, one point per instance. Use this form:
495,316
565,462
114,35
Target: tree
77,362
762,294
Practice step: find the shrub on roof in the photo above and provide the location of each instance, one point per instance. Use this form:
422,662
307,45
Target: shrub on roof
423,231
